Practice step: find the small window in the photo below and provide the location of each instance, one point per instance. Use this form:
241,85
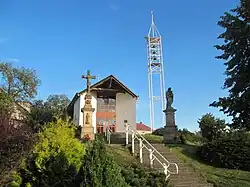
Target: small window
106,101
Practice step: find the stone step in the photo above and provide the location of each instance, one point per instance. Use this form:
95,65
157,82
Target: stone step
205,185
180,165
146,153
186,177
184,182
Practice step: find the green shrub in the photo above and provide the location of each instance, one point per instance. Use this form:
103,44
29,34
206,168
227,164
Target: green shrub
99,168
15,145
137,176
187,136
183,139
57,138
158,132
232,151
56,158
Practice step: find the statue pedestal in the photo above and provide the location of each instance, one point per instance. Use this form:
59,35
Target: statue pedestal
87,131
170,130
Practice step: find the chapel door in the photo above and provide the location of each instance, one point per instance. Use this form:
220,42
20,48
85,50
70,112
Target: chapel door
105,115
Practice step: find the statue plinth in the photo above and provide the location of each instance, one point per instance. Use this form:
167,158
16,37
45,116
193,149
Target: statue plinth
170,129
87,132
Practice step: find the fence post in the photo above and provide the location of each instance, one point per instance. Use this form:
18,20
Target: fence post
166,171
109,134
133,142
106,134
140,145
151,157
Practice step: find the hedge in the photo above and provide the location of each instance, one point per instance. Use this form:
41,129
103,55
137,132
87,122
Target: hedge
232,152
138,176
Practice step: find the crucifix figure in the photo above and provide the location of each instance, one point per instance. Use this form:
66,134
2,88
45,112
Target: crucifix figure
88,77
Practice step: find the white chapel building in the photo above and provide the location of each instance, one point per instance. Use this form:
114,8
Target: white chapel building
113,103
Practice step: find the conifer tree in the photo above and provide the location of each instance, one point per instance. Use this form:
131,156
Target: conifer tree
236,53
99,168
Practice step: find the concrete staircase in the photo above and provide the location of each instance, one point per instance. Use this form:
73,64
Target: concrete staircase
187,176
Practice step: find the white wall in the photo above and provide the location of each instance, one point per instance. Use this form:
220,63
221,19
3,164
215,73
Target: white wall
125,110
79,104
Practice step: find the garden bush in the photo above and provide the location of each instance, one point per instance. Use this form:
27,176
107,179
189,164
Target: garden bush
187,136
137,176
231,151
158,132
15,144
55,159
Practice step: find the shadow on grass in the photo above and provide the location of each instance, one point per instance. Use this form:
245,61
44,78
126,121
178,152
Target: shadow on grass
220,177
190,152
231,177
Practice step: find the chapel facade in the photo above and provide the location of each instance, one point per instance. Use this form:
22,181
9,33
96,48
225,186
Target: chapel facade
113,103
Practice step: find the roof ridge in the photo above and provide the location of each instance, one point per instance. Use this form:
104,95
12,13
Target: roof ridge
101,81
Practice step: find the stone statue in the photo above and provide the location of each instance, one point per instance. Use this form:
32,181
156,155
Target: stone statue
170,130
87,118
170,97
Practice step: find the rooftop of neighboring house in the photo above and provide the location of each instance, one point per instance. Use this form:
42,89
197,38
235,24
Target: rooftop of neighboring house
142,127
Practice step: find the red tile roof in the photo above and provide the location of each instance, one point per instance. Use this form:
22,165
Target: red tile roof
142,127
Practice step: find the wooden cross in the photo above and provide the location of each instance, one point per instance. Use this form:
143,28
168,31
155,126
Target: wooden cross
88,77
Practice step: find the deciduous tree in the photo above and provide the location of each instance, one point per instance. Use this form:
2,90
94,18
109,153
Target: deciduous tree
39,115
6,104
47,111
17,85
57,103
211,127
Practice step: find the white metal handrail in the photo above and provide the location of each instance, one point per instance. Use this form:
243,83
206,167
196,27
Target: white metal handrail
155,150
151,149
153,157
154,154
108,133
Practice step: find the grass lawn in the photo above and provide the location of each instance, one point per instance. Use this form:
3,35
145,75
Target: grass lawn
220,177
153,138
121,154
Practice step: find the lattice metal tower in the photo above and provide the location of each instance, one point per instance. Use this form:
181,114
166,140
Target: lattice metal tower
155,71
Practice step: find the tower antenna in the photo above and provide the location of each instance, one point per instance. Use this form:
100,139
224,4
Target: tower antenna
155,66
152,14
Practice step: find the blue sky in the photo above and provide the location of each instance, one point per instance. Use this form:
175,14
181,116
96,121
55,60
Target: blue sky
61,39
